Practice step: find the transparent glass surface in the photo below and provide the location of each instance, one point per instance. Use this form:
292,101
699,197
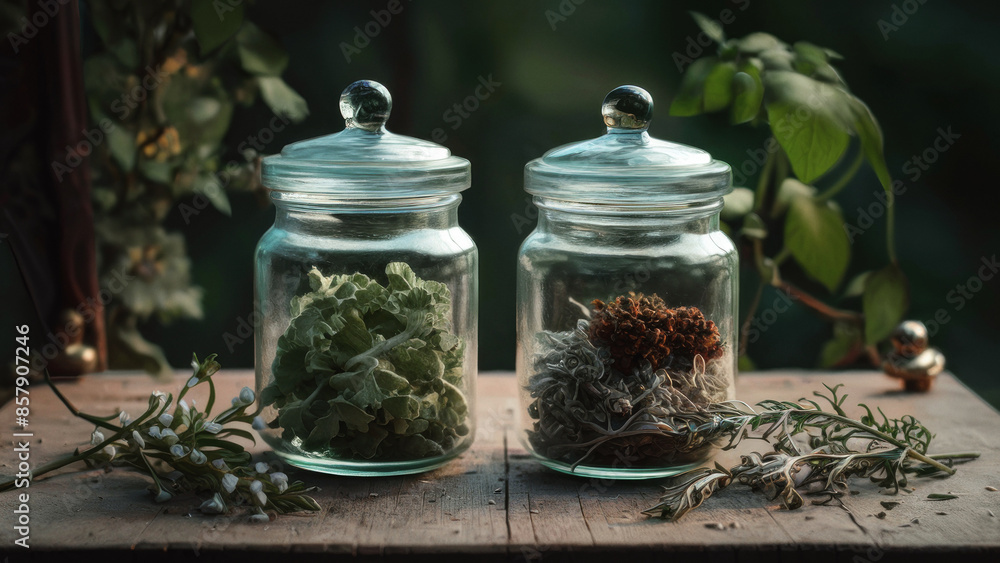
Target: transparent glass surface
312,396
592,403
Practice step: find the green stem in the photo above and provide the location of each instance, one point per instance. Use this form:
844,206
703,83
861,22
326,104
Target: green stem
910,452
890,226
844,180
782,256
96,421
763,182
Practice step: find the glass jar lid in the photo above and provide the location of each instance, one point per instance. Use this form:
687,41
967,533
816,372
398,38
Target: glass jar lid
365,161
626,166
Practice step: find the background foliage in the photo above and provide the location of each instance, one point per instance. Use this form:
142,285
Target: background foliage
936,70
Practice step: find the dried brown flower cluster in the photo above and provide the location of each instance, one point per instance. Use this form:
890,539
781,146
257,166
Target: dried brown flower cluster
638,327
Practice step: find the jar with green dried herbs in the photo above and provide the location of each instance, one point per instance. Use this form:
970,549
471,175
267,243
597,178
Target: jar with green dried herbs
366,297
626,303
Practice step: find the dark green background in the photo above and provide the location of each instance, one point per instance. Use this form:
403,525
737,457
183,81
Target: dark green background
938,70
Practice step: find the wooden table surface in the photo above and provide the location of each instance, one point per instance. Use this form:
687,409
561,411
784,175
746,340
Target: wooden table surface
496,503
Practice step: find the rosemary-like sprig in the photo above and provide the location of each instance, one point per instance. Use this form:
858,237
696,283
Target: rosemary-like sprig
195,451
814,451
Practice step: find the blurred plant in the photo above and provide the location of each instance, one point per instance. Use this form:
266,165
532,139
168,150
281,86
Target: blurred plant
161,88
815,452
187,450
796,92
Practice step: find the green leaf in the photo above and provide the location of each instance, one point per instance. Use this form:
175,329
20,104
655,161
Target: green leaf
810,120
712,28
688,100
777,59
870,134
808,57
210,187
405,407
746,364
886,299
718,92
259,53
737,203
121,144
748,92
161,172
856,287
846,340
282,99
759,42
815,235
215,22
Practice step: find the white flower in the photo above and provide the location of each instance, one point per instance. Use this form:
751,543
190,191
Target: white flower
184,406
154,432
138,439
261,497
258,423
193,381
246,396
198,458
214,505
96,437
229,482
260,518
280,480
256,486
261,467
177,451
123,418
166,419
213,427
194,365
160,396
169,436
110,451
163,496
219,464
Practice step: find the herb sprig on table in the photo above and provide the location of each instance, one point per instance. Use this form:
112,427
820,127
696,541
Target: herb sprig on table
815,452
368,371
186,450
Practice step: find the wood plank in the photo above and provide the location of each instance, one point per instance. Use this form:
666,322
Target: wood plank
535,512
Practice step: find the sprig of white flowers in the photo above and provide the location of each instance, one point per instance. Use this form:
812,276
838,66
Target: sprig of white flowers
195,452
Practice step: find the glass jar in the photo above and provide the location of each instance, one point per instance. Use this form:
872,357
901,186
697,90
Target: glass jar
626,305
366,292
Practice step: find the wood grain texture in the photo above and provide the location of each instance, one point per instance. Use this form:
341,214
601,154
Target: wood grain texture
497,503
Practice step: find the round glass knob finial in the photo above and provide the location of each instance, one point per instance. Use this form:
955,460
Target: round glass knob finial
628,107
365,104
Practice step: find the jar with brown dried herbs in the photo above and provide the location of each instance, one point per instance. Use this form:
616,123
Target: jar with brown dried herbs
626,302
